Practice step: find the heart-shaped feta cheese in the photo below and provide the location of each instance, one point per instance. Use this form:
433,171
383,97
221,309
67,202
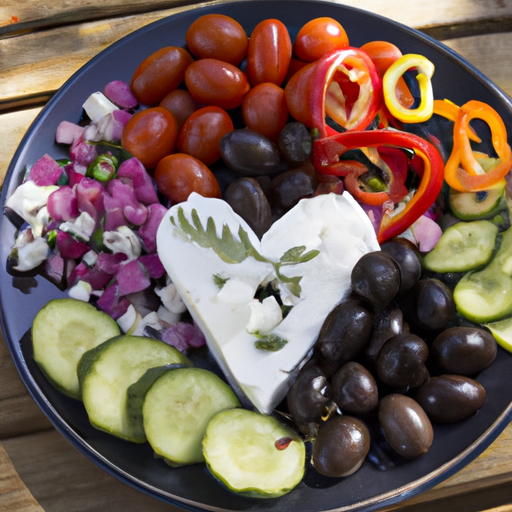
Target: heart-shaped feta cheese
218,264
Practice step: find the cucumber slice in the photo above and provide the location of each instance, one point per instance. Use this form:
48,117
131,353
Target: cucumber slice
62,332
106,372
502,332
462,247
240,449
177,409
477,205
486,295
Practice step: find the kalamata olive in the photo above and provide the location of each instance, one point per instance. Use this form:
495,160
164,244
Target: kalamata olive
407,260
463,350
401,361
389,322
450,398
354,389
341,446
309,397
406,426
344,333
247,199
376,278
295,143
250,154
434,304
288,188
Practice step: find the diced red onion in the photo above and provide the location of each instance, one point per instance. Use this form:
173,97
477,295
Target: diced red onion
83,153
89,194
152,264
114,216
183,336
132,169
109,128
68,133
112,302
110,263
69,247
46,171
132,277
119,92
147,232
54,267
97,278
374,214
62,204
427,233
135,212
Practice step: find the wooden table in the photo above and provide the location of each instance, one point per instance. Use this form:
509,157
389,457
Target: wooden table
44,43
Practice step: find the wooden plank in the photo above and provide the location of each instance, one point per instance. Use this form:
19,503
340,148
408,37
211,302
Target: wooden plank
484,15
14,495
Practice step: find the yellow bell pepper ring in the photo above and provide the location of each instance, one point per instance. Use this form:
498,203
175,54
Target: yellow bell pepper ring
425,70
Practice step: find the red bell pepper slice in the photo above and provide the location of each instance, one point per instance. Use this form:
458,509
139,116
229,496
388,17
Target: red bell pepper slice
326,155
326,85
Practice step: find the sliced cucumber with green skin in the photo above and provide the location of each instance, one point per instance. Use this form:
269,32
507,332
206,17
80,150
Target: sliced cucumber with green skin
106,372
177,409
137,394
486,295
62,332
462,247
254,454
478,205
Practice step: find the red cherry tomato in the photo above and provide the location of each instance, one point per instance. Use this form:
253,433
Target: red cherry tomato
181,105
269,53
201,133
214,82
319,37
215,36
264,110
150,135
159,74
178,175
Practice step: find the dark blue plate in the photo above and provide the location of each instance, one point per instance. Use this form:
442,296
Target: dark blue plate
192,487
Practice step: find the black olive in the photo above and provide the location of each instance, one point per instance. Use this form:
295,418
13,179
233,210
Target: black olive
464,350
376,279
309,397
388,323
247,199
408,261
434,306
345,333
450,398
406,426
288,188
401,361
354,389
341,446
295,143
250,154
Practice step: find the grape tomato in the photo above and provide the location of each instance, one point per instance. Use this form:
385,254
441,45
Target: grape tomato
181,105
178,175
159,74
201,133
150,135
216,36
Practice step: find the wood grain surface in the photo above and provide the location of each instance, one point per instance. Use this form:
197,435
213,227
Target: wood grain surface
41,45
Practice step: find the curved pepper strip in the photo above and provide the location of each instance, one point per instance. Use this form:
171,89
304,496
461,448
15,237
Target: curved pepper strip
326,154
450,110
317,89
463,172
425,71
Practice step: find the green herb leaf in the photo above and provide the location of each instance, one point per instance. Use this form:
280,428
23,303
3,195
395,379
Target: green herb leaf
270,342
291,255
219,280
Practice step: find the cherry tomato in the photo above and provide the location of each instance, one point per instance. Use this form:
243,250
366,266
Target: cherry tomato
215,36
318,37
295,65
214,82
150,135
159,74
181,105
201,133
178,175
269,53
383,55
264,110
